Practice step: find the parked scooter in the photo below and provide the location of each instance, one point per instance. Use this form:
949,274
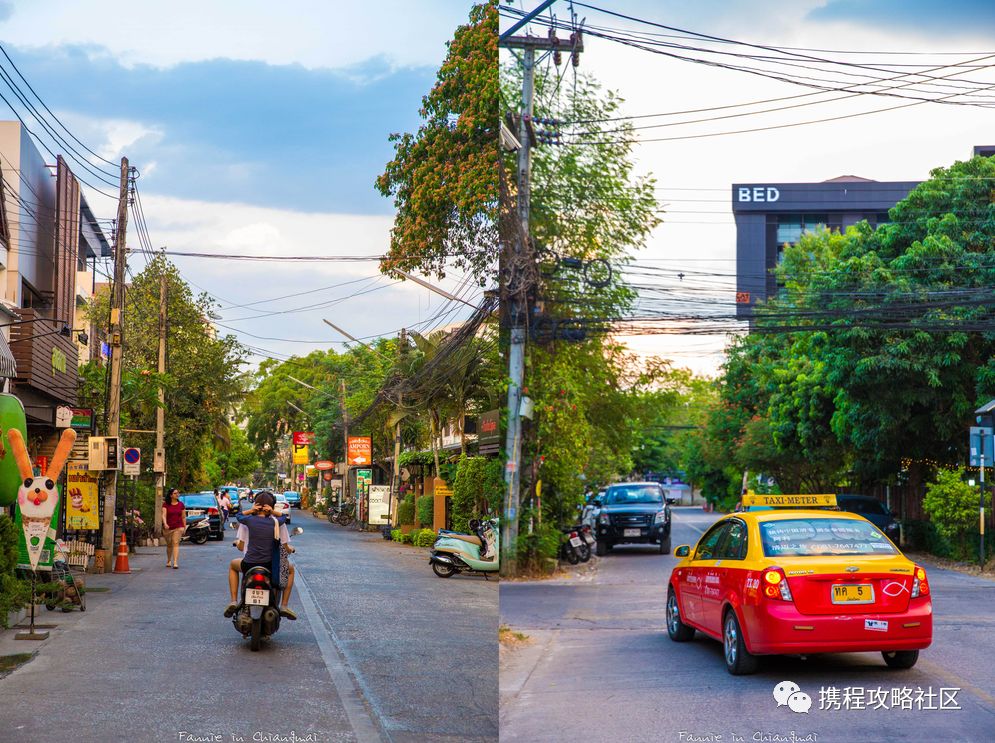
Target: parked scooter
198,528
574,549
589,542
476,553
258,614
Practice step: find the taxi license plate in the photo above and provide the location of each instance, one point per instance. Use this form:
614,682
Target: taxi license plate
853,593
575,541
632,532
257,597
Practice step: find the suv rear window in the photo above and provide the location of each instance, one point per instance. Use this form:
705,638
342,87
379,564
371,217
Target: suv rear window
862,505
634,494
822,536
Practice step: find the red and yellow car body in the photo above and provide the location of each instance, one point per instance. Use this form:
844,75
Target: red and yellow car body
824,600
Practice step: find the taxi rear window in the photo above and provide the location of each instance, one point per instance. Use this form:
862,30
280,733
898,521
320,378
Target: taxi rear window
822,536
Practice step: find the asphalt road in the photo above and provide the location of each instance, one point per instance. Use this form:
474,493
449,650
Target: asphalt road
600,667
383,651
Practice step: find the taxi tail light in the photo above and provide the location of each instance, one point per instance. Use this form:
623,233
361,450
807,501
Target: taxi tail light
776,585
920,586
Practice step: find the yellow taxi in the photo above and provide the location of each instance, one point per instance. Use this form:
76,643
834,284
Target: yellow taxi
792,575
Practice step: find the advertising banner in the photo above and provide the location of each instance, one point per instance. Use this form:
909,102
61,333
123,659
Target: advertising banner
379,504
36,541
360,450
303,438
301,454
82,503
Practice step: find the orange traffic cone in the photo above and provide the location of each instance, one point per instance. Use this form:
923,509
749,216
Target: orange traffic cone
121,563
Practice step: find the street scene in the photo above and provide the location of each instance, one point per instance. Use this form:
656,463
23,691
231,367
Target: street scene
597,658
382,650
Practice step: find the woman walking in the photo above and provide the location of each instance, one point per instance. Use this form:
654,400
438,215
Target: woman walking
174,522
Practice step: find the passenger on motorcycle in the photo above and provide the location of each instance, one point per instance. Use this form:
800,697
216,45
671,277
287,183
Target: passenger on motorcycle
263,531
286,570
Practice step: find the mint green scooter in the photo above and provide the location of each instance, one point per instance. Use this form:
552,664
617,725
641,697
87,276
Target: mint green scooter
477,553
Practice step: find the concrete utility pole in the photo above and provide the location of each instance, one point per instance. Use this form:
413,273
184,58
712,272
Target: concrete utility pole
160,413
117,351
522,254
395,491
344,493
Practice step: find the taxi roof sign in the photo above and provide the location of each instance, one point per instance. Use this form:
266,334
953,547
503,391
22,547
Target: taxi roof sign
807,500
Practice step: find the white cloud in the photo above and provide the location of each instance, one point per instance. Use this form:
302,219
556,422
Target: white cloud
312,33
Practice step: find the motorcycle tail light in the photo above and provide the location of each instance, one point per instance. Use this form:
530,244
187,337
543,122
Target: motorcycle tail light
258,578
573,534
212,511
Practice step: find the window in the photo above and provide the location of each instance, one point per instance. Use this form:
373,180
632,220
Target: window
881,218
708,546
791,227
634,494
863,505
822,536
733,547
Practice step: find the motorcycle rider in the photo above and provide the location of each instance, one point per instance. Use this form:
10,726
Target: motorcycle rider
264,533
286,570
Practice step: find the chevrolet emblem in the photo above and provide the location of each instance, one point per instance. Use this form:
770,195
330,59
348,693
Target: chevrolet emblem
852,568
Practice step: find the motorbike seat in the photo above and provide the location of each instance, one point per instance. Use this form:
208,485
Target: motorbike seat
470,538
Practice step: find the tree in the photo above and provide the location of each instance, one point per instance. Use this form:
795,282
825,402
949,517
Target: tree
444,179
203,381
235,463
952,506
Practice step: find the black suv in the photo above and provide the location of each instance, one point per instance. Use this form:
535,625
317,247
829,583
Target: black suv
633,513
874,511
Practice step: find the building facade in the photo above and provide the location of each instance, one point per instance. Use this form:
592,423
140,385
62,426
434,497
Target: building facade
771,215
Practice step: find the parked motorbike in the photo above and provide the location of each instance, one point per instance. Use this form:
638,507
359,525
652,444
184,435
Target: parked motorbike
258,614
589,542
475,553
198,529
342,515
574,549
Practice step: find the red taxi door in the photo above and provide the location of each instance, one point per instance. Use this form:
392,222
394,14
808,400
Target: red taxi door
702,562
722,575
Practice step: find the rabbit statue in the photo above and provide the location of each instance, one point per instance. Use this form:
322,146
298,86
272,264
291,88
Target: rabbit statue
38,497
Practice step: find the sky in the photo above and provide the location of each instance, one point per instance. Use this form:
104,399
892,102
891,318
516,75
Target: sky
257,128
694,176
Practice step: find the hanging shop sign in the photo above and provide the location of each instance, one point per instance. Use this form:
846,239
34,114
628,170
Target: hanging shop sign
301,454
303,438
360,450
324,464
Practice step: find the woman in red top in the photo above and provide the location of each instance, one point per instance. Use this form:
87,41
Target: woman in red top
174,522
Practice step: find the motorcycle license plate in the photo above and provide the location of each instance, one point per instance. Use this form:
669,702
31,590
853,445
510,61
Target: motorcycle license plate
575,541
589,539
632,532
257,597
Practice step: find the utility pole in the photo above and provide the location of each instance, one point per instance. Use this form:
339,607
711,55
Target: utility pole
160,414
117,351
521,257
402,352
344,493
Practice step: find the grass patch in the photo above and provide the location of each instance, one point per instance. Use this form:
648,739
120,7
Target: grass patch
10,663
510,638
96,589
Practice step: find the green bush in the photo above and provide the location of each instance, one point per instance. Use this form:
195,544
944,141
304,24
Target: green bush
408,538
14,592
952,507
406,510
395,535
426,509
424,538
477,489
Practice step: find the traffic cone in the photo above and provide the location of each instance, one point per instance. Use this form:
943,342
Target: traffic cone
121,563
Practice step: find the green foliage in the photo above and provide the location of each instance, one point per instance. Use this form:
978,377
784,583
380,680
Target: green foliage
952,506
426,509
424,538
408,538
406,510
14,592
234,463
395,535
924,536
203,382
477,489
444,179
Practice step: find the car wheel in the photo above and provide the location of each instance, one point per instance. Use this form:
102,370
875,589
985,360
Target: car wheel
665,545
601,548
678,631
739,661
900,658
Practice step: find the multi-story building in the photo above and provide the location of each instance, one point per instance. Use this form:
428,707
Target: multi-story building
771,215
48,237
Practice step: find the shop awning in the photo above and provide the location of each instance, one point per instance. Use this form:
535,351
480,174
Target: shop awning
8,367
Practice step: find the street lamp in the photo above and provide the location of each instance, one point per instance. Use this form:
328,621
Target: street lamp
985,418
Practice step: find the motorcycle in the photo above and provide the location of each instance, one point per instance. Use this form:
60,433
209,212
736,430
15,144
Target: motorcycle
589,541
198,528
574,549
258,614
477,553
342,515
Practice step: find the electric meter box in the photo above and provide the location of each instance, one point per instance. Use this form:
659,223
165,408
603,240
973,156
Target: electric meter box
104,453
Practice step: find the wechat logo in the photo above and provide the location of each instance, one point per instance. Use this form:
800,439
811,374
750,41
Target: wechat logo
790,694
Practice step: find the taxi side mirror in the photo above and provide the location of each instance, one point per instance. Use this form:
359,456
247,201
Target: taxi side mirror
683,551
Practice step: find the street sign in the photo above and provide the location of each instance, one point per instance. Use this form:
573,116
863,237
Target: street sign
301,454
360,450
132,461
324,464
303,438
981,435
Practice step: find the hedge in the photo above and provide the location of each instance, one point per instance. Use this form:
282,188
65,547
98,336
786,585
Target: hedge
477,489
406,510
426,510
424,538
14,592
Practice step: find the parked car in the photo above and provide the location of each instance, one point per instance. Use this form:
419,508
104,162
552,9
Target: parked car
282,498
293,497
208,503
589,511
632,513
874,511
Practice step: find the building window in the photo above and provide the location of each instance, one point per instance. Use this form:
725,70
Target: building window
791,227
881,218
